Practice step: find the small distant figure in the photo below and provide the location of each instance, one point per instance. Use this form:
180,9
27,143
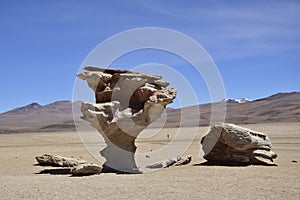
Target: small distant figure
148,156
168,136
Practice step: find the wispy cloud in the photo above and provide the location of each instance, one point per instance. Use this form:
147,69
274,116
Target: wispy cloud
247,29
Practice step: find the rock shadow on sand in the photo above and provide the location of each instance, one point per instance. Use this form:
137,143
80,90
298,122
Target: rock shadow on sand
56,171
232,164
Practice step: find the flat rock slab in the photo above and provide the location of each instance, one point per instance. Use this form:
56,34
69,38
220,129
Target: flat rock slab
77,167
229,144
51,160
86,169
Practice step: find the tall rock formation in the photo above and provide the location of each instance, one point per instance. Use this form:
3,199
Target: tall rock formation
126,103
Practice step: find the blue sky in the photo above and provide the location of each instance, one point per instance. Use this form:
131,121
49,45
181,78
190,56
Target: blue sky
255,44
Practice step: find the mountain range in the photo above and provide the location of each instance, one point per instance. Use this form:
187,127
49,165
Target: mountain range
57,116
34,117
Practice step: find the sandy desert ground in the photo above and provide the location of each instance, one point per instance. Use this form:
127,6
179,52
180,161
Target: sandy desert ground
21,179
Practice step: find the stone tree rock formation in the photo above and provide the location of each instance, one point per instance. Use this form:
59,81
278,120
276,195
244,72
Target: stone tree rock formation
126,103
228,144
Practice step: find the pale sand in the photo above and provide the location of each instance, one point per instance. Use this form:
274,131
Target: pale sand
18,178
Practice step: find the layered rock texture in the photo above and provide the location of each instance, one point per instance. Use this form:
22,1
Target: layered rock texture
228,144
126,103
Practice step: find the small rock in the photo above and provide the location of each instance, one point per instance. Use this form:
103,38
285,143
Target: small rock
184,160
86,169
176,161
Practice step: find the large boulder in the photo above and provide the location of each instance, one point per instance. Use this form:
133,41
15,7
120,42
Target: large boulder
126,102
229,144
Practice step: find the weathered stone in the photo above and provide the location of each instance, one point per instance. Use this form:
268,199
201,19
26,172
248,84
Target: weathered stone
184,160
231,144
86,169
174,161
129,103
96,80
104,96
105,70
78,167
50,160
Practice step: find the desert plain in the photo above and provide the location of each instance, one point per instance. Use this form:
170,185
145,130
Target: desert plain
21,178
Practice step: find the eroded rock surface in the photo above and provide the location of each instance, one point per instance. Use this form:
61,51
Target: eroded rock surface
51,160
173,161
86,169
77,167
229,144
126,103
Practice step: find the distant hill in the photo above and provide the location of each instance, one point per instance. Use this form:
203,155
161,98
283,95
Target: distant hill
57,116
281,107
